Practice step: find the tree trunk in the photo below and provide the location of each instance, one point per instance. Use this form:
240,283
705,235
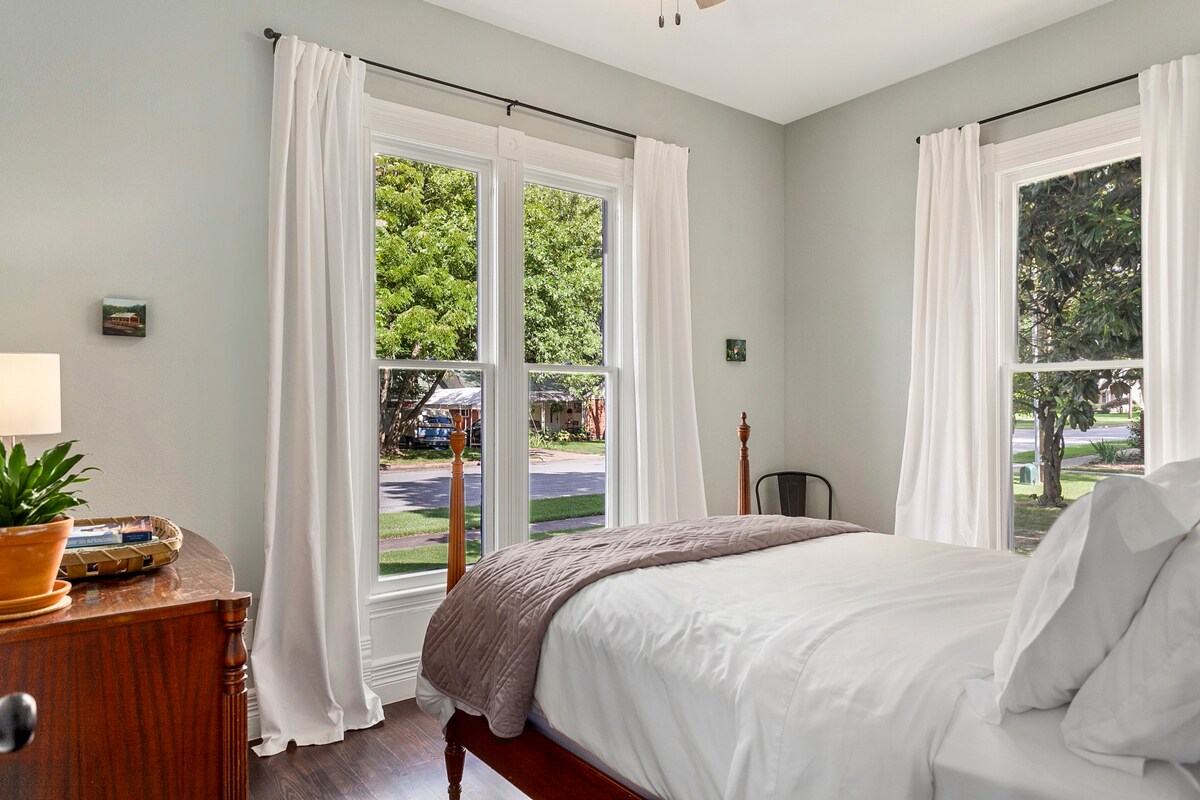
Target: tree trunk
592,410
402,418
387,411
1051,445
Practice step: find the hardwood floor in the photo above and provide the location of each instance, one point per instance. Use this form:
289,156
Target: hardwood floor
399,759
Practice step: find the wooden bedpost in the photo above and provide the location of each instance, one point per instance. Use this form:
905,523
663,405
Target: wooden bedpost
456,567
744,468
456,758
456,560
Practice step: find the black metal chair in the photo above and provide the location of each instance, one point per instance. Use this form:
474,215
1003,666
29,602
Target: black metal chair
793,492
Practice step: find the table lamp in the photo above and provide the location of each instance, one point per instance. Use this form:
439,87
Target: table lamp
30,403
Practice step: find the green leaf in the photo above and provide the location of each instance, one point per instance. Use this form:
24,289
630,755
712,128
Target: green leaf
36,493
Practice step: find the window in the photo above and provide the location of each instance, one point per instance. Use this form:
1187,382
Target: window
498,271
1069,247
565,252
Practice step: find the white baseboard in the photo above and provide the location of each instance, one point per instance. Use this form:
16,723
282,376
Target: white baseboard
253,728
393,679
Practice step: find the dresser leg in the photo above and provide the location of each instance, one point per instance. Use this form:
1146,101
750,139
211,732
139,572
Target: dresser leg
455,758
235,777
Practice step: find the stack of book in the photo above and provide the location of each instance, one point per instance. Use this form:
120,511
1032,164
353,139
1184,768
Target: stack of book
131,531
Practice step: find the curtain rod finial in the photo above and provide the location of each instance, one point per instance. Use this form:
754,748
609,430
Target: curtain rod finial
271,34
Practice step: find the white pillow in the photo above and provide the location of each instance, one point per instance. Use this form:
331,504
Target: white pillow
1143,701
1083,587
1181,483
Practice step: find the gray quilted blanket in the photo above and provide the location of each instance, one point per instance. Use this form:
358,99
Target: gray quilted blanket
483,643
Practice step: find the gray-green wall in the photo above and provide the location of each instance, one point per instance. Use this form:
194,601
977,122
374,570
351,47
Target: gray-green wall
133,161
851,187
133,146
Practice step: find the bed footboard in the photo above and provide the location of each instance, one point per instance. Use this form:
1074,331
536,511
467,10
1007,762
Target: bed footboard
532,762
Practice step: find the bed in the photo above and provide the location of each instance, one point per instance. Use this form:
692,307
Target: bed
699,679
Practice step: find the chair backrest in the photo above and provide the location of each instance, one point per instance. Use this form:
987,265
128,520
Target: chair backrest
793,492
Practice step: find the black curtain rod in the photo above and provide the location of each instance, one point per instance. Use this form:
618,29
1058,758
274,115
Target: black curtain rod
509,104
1052,101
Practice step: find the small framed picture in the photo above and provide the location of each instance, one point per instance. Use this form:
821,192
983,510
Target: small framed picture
735,349
123,317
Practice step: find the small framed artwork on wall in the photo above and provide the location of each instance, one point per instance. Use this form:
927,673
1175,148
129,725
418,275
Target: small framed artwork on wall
121,316
735,349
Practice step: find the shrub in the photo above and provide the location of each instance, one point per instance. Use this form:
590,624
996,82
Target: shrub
1108,451
1137,432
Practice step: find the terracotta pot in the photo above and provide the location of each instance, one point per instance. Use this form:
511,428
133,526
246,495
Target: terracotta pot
30,556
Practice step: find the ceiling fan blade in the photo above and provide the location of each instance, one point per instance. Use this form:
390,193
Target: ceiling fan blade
707,3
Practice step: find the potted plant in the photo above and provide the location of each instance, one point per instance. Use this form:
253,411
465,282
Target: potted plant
33,527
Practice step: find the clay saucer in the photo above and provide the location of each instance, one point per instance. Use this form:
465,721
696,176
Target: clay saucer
21,606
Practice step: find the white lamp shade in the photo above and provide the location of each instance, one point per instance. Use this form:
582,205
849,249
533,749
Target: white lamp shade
30,403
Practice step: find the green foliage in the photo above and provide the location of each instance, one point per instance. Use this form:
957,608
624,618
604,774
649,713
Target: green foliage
544,439
108,310
1079,268
38,492
1107,451
564,277
1079,279
426,260
1137,432
426,294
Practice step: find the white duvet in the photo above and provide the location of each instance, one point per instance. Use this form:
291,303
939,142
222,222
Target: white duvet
826,669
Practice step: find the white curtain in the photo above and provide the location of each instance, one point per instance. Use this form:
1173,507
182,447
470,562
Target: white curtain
944,485
670,478
306,656
1170,96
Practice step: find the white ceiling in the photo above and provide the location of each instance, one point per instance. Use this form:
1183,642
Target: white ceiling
778,59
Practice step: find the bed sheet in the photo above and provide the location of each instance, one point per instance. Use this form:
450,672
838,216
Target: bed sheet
1025,758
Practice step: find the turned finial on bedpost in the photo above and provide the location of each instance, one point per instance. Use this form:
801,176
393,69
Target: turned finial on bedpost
744,468
456,559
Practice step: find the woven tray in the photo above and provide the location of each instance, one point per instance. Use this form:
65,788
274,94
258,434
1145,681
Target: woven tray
122,559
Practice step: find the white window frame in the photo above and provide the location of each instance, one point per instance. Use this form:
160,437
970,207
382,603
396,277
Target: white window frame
504,159
1006,168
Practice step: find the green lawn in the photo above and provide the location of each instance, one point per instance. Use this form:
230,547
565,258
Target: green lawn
437,520
431,557
1025,423
421,559
1030,522
424,454
1074,451
582,448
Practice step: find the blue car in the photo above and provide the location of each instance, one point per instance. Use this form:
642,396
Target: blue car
430,430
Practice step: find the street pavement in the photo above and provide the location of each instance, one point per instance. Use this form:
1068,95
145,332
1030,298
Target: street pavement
416,489
1023,439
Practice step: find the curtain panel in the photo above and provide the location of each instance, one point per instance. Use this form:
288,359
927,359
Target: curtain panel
944,492
1170,106
306,658
670,476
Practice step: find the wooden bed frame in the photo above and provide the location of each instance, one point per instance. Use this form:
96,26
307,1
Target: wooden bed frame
532,762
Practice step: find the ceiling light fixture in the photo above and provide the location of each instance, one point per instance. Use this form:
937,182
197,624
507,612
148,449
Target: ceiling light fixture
702,4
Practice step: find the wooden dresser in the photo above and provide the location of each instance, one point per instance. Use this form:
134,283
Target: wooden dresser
140,686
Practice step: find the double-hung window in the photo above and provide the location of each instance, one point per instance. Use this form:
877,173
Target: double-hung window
1068,244
500,267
